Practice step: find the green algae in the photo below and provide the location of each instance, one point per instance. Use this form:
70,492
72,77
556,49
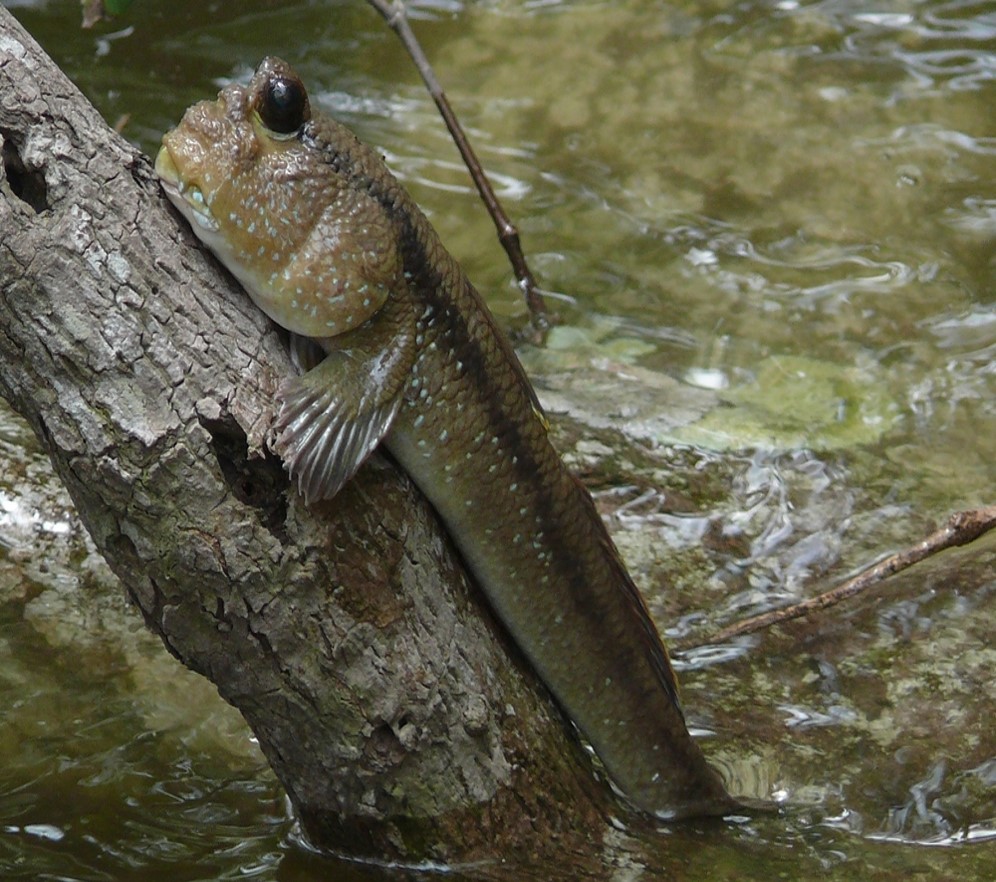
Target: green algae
794,402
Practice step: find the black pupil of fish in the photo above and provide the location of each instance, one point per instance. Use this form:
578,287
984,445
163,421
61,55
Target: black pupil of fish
282,110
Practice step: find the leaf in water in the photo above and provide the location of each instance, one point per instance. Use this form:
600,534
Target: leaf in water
116,7
95,11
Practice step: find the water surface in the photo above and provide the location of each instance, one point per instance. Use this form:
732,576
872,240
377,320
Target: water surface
769,230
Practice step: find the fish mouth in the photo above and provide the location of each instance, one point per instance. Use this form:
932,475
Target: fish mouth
187,197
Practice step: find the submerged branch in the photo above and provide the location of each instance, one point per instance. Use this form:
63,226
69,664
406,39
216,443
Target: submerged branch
961,528
396,16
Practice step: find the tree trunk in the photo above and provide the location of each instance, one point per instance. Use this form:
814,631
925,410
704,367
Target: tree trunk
396,715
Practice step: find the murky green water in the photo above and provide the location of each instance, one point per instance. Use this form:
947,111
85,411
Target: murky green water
771,228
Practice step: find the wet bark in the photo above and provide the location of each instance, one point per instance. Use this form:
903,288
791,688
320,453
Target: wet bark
386,700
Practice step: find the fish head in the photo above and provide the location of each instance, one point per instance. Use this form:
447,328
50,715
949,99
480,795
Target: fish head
261,182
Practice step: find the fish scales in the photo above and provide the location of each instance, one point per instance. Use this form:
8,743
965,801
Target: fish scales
416,361
534,540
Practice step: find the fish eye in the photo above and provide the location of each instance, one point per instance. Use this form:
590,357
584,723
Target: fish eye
283,106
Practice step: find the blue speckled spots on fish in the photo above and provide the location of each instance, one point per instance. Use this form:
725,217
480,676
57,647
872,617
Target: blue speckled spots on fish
413,358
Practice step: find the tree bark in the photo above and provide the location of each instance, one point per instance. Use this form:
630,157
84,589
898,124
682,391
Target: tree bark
394,712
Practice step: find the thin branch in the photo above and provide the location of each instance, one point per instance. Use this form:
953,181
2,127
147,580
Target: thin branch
962,527
396,16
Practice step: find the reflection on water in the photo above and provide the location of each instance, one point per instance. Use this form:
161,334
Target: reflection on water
699,657
788,205
97,793
926,818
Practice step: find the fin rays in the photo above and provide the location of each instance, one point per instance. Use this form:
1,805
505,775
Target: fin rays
322,444
332,417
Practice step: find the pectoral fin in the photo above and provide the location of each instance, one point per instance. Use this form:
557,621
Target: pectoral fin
332,417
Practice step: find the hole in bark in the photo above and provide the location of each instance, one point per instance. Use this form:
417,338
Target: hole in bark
28,186
383,748
259,482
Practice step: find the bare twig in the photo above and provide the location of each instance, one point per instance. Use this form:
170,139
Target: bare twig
396,16
961,528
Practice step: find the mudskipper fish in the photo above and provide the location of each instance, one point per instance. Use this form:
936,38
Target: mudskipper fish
327,242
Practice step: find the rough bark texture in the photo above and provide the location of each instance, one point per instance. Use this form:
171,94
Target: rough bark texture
346,634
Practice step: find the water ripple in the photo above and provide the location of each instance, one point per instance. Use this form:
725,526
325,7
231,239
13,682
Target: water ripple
707,655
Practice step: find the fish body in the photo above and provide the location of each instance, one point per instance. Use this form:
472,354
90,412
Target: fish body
329,244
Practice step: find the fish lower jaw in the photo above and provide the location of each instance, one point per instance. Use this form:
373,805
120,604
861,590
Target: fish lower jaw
188,199
191,206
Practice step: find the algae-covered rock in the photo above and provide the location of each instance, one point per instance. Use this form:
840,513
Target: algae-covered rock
792,402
